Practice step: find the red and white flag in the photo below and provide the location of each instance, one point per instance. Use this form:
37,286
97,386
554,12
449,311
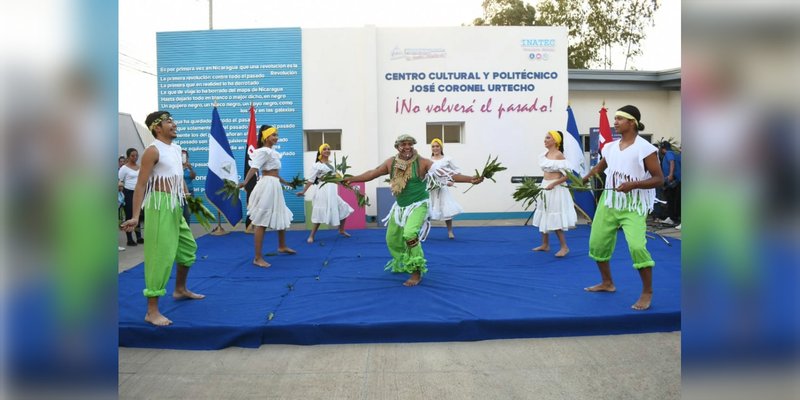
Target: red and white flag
252,143
252,139
605,130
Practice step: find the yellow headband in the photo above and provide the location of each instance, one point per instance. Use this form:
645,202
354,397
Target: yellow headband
159,120
268,132
625,115
322,146
556,137
437,140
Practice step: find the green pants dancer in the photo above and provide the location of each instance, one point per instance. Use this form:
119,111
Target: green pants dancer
632,174
405,219
408,173
161,189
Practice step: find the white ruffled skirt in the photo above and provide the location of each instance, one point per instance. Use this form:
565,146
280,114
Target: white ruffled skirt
328,207
267,207
554,209
443,206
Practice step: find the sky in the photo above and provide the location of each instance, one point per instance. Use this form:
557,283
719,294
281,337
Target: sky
138,25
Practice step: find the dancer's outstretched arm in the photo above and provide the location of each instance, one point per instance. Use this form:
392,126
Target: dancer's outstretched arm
467,179
305,188
250,173
380,170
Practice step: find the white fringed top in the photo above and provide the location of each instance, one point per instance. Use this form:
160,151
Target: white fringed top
446,162
627,166
167,176
441,172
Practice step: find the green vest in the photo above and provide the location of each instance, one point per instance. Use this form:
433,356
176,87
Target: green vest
415,189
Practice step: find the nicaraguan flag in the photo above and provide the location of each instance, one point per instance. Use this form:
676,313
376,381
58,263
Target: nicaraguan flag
573,152
221,167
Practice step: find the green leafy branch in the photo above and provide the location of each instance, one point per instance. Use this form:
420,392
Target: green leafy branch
229,191
576,183
297,181
338,177
492,167
341,167
203,215
528,192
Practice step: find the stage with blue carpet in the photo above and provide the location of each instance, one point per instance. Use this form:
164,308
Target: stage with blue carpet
485,284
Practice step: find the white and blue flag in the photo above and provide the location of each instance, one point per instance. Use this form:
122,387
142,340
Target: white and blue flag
221,167
573,152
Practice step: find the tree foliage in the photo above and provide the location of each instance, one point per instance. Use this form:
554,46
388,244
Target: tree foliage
599,30
582,48
506,13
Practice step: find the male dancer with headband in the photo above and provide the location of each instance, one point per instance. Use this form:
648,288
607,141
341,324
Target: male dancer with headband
632,174
161,189
407,172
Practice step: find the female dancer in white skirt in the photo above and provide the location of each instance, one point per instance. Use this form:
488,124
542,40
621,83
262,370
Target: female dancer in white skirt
328,207
555,210
266,207
443,206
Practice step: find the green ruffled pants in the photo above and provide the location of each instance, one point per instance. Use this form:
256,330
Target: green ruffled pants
406,259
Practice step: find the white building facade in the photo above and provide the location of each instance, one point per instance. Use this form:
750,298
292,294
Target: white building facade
484,90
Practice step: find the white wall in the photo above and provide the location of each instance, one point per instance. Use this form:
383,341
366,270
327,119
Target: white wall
344,87
339,92
673,123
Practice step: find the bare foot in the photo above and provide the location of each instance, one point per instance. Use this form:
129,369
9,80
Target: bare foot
157,319
343,233
563,252
601,287
541,248
414,280
186,294
310,240
450,235
261,263
644,302
286,250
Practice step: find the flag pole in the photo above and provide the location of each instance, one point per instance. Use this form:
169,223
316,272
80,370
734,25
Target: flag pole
585,215
219,230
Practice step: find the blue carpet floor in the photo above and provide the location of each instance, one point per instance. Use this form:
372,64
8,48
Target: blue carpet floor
485,284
